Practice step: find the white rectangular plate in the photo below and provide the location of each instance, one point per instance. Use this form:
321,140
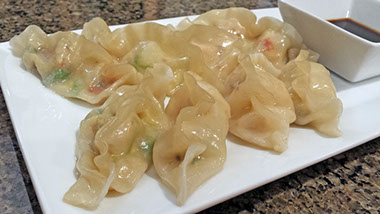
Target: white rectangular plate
46,125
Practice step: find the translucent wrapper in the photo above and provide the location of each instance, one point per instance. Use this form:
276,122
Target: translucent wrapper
277,40
115,142
313,94
261,108
130,44
71,65
194,148
219,49
238,21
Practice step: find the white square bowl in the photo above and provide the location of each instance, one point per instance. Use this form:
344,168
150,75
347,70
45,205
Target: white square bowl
346,54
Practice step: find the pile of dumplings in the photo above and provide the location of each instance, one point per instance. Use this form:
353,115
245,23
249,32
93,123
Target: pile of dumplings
168,96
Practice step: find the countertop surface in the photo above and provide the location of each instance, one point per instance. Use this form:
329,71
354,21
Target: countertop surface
349,182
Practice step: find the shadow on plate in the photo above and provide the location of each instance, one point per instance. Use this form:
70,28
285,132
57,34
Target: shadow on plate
151,172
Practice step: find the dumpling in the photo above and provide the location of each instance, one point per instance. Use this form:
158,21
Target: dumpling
313,94
126,44
115,142
261,62
220,49
121,41
239,75
194,148
71,65
214,43
238,21
148,53
139,44
268,35
261,108
277,40
224,35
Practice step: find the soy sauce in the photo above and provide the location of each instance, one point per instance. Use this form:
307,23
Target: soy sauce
357,28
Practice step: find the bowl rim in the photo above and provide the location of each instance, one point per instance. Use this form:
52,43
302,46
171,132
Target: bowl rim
356,37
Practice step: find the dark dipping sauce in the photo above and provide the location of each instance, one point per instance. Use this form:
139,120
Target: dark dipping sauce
357,28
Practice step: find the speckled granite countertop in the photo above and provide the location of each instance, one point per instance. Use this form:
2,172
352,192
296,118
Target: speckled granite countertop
345,183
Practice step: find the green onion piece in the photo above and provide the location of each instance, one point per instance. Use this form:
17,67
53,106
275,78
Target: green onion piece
76,87
196,159
57,75
30,49
147,148
139,64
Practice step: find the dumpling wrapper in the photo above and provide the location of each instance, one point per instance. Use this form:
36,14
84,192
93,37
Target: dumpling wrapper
224,35
277,40
194,148
71,65
148,53
173,50
261,108
238,21
238,75
115,142
313,94
220,49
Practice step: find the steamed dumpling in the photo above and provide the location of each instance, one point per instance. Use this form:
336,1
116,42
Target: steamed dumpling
126,43
261,108
71,65
141,44
238,21
277,40
313,94
148,53
116,141
194,148
237,76
219,49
